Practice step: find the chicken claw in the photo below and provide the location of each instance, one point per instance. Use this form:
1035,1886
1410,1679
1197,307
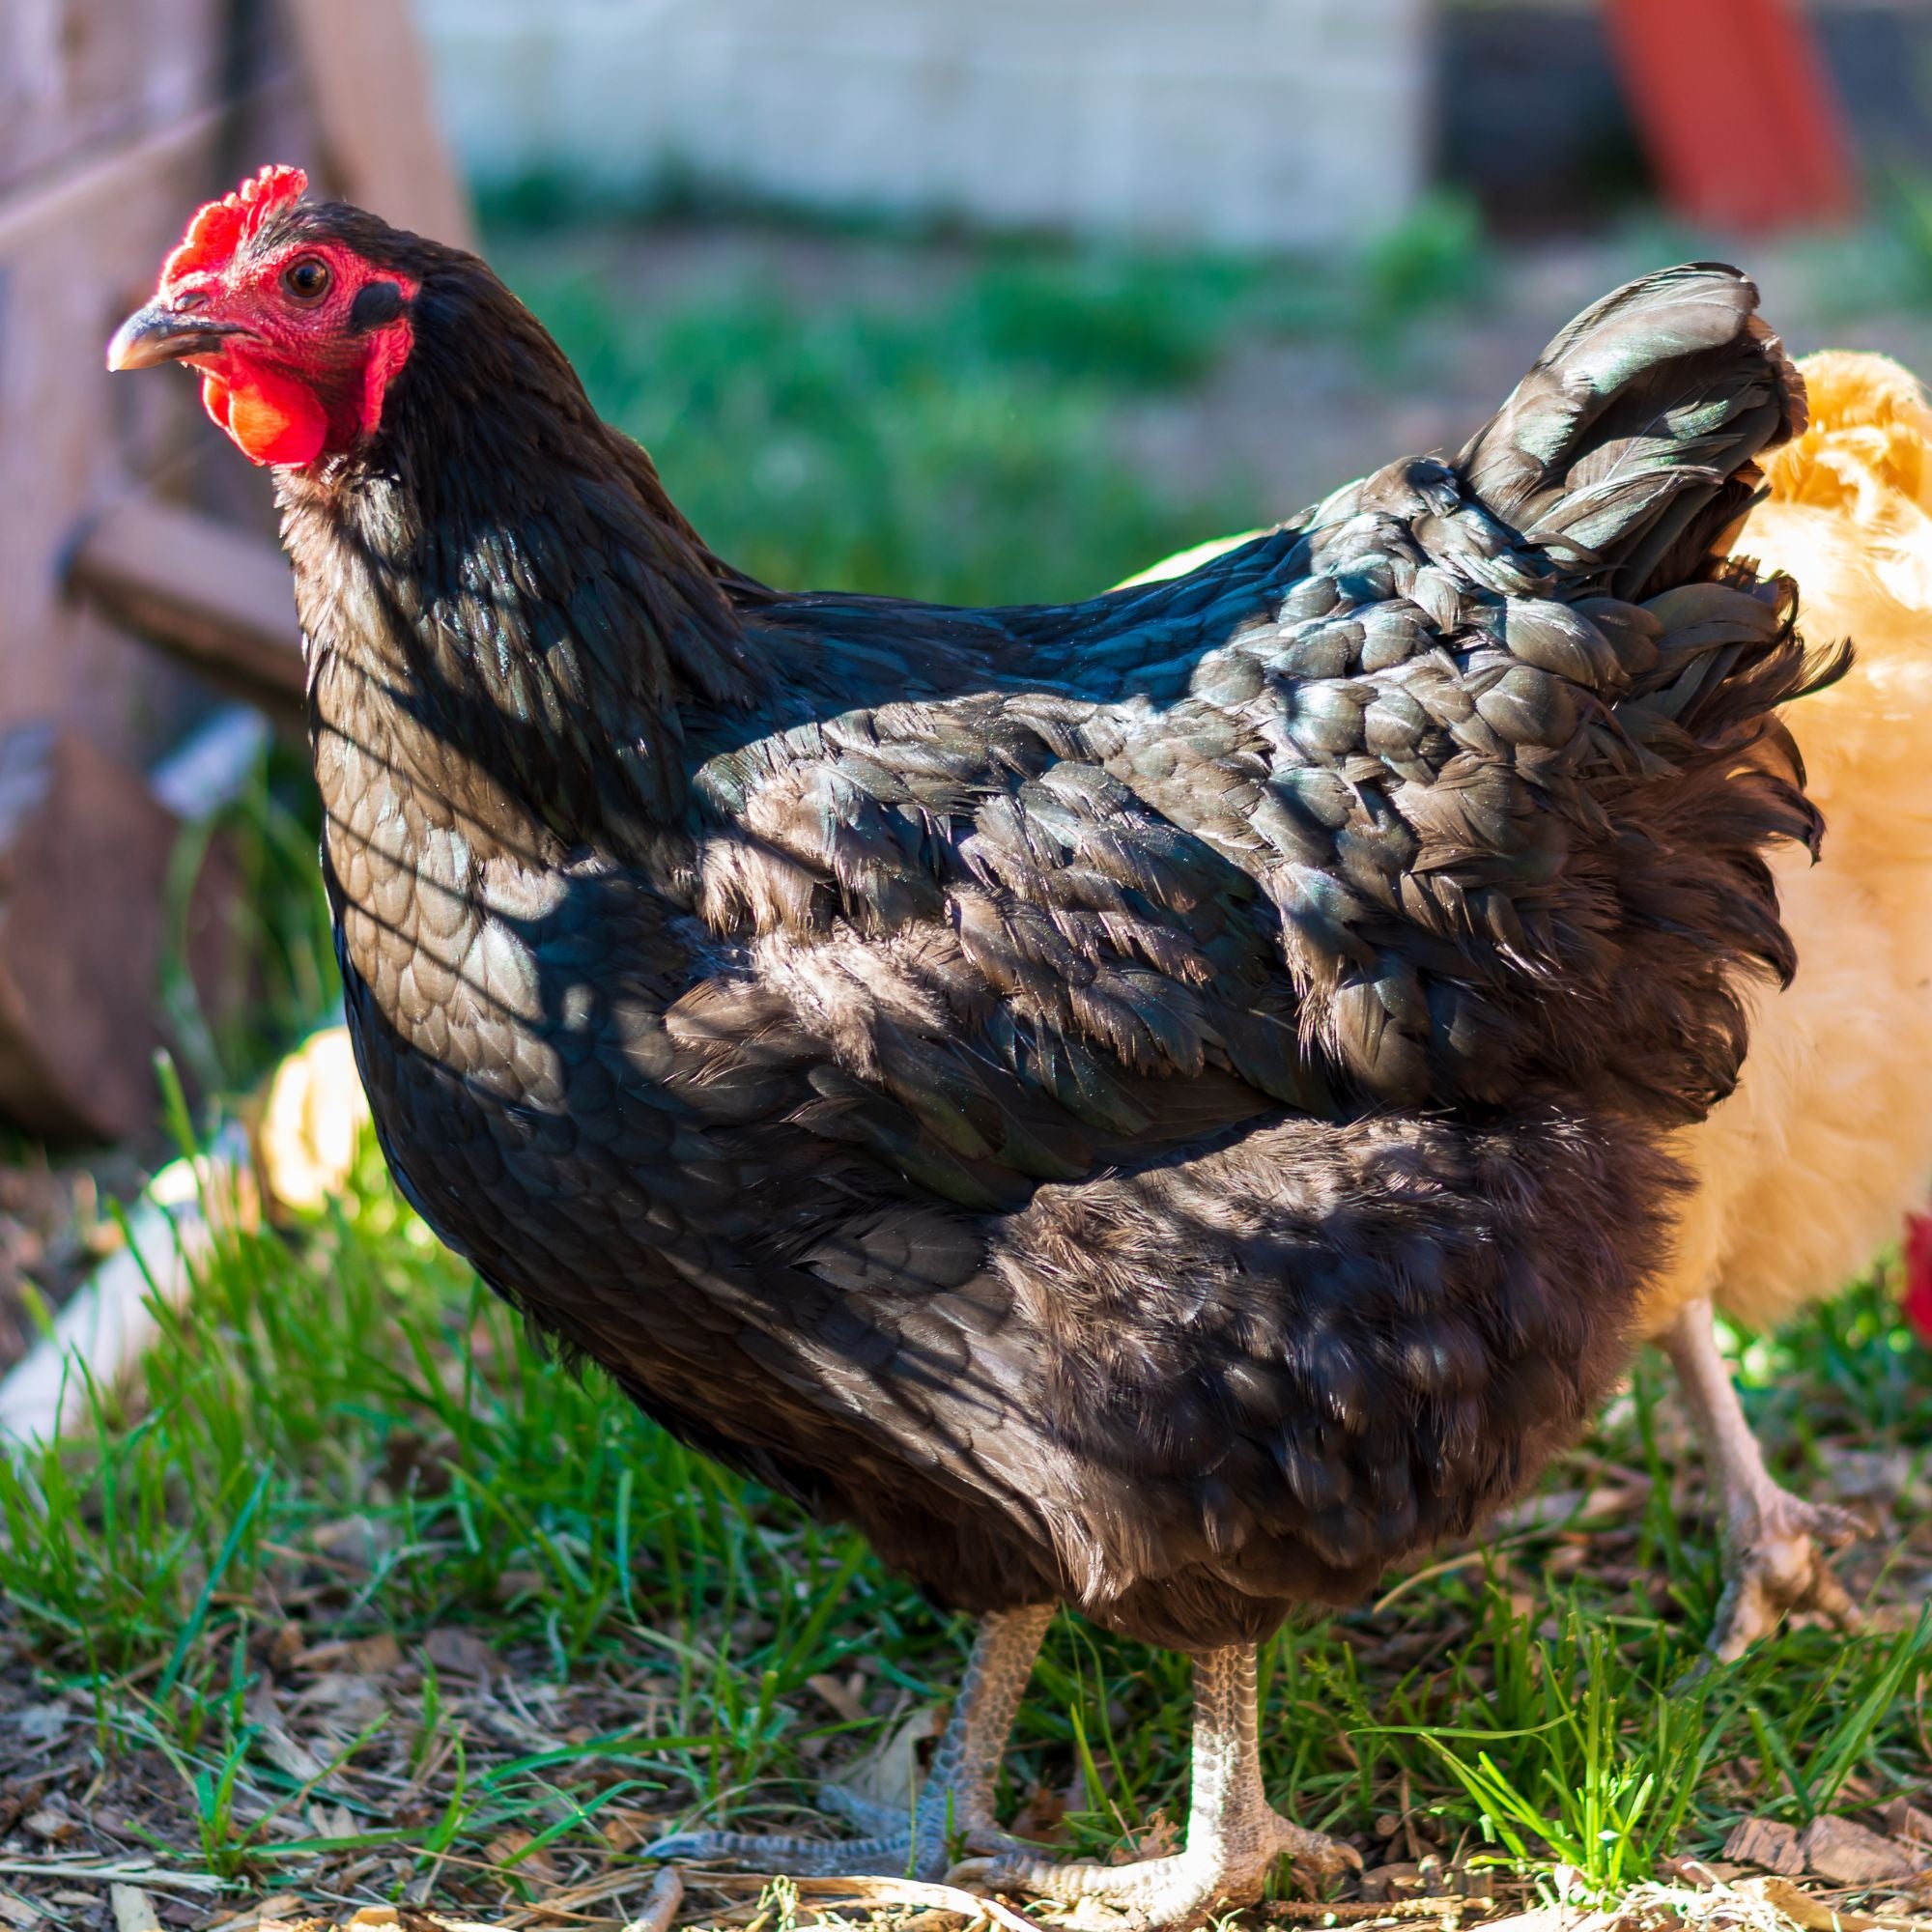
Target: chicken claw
1773,1543
1775,1561
954,1808
1235,1838
1180,1891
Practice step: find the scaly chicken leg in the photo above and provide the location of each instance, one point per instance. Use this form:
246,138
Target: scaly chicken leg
955,1805
1235,1838
1773,1543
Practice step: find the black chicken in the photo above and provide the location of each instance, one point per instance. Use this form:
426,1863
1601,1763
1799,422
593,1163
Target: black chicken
1152,1104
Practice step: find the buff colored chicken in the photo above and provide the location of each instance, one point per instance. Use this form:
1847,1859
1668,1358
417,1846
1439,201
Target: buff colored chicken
311,1121
1805,1172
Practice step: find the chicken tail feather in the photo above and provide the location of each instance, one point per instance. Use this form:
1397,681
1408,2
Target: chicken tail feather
1629,452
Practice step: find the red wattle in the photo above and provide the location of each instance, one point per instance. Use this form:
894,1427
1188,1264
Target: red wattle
215,400
271,418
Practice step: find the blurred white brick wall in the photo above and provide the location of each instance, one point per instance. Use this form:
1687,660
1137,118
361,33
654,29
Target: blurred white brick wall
1242,121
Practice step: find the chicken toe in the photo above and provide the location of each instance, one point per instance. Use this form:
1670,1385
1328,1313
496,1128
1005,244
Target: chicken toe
1235,1838
955,1805
1773,1543
1180,1891
1775,1561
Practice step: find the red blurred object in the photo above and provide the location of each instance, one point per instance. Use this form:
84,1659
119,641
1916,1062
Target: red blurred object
1917,1301
1736,109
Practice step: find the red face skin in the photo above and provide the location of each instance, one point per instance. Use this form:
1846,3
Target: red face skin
299,384
286,369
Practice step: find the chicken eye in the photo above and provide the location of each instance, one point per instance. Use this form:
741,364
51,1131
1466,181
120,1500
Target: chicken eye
306,280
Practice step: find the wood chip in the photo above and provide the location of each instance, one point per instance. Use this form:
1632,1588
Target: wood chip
331,1821
1447,1913
1700,1874
571,1901
1848,1853
1396,1880
20,1912
1158,1836
538,1866
355,1544
842,1697
352,1699
1042,1818
287,1753
361,1656
910,1891
373,1918
889,1772
1564,1509
128,1871
133,1910
1905,1820
661,1903
1767,1844
375,1655
1812,1913
626,1828
1544,1919
281,1905
460,1653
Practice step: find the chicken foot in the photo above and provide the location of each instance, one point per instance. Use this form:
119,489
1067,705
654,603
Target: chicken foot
1235,1838
956,1804
1773,1543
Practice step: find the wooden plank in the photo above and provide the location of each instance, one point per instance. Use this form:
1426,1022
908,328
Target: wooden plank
78,252
85,851
80,75
78,194
211,595
371,88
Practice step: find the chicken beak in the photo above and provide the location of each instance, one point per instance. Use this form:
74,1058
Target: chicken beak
159,334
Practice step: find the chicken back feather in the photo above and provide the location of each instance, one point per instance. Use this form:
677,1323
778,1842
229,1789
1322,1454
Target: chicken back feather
1803,1175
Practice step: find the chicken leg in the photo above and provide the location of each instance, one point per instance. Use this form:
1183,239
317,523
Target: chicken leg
1773,1543
1234,1839
955,1805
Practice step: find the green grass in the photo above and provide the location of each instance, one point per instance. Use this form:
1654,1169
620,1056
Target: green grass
871,452
343,1430
959,443
276,972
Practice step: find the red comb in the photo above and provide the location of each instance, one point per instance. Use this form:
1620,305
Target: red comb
1918,1298
220,227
